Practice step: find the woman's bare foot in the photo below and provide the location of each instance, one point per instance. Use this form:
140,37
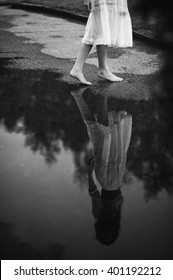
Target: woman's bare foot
79,76
106,74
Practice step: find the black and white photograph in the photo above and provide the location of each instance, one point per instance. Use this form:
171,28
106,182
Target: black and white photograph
86,130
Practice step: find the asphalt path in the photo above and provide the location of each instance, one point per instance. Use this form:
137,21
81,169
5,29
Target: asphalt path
46,42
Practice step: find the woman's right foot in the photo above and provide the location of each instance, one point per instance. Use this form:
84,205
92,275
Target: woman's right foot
80,77
106,74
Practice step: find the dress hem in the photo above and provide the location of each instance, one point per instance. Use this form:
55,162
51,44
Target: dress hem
102,42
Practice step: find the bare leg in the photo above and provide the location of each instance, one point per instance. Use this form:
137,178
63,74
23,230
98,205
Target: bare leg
77,69
103,71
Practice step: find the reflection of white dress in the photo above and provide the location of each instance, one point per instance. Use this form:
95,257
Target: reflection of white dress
110,146
109,23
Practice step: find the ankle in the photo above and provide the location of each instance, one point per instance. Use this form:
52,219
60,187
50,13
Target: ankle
103,69
76,70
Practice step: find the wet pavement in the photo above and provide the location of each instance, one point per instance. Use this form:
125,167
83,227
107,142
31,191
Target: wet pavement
46,210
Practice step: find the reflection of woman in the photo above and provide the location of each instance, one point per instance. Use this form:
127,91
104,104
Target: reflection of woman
110,135
106,171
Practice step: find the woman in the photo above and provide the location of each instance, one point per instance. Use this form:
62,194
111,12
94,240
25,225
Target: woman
109,24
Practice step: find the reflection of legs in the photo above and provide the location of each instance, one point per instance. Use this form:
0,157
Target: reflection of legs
83,106
102,113
103,68
97,105
77,69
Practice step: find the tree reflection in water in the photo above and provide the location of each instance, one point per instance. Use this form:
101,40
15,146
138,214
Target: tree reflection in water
35,104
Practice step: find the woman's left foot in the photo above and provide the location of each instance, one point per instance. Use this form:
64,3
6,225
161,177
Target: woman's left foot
106,74
80,77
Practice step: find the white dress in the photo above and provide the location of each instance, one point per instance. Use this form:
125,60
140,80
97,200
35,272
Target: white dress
109,23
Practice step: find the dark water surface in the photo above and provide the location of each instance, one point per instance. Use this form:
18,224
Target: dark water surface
45,207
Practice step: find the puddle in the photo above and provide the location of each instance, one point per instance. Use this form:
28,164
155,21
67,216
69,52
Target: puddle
44,144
